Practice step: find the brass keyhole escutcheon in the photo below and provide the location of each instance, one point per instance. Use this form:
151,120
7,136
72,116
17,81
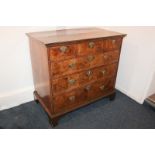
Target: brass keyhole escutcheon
91,44
63,49
89,73
102,87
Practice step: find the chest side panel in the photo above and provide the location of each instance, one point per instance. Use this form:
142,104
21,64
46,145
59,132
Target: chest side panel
40,68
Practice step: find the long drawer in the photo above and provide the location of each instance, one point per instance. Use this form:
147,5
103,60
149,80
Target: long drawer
83,95
82,78
90,61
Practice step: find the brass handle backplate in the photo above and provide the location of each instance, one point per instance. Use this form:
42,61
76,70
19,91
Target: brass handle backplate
91,44
72,98
90,58
63,49
102,87
73,65
72,81
88,87
89,73
103,72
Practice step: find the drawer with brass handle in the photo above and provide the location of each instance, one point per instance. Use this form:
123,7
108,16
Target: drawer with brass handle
62,84
107,71
59,53
90,47
69,100
65,67
101,88
111,57
112,44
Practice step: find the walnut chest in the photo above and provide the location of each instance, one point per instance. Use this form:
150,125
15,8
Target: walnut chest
73,67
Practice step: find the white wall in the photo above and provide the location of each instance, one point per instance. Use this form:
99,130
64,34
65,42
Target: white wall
135,71
16,85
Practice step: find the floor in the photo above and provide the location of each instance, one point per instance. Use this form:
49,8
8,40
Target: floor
122,113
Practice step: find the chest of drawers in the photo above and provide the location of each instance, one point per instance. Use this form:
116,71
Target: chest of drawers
74,67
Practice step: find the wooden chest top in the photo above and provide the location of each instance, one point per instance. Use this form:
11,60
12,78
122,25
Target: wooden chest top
72,35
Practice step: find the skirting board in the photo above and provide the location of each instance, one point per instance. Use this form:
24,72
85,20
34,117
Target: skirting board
130,95
15,98
22,96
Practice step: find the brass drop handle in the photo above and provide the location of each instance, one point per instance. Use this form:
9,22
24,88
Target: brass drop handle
73,65
103,72
88,87
89,73
90,58
63,49
91,44
102,87
71,81
72,98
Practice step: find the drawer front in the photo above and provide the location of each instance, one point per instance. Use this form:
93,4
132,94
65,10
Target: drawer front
100,88
68,100
64,67
112,44
90,47
83,95
111,57
87,62
67,82
63,52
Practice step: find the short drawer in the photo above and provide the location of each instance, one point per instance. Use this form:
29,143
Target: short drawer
82,63
63,52
62,84
68,100
82,78
83,95
112,44
100,88
90,47
110,57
